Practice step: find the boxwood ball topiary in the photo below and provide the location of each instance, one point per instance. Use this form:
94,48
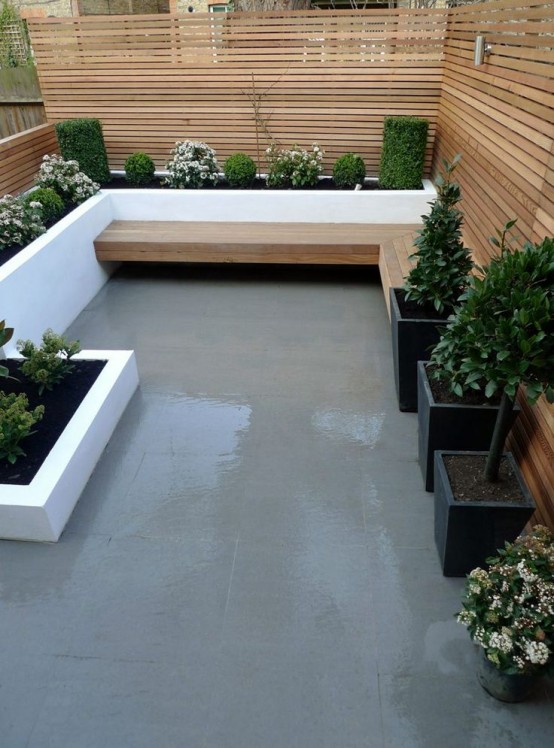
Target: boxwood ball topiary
139,169
51,204
348,171
82,140
239,170
403,154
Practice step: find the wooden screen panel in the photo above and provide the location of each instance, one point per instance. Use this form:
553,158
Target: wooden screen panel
319,76
500,117
21,157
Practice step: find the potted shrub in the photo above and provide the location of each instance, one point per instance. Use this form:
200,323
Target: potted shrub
509,613
420,309
500,338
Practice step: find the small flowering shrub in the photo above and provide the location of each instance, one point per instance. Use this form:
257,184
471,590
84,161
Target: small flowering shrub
16,423
295,168
193,166
509,609
50,363
65,178
20,221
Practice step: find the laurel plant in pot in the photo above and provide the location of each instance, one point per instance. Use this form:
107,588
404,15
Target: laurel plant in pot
420,309
509,612
500,339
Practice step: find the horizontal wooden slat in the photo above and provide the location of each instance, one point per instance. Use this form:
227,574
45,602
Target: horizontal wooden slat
21,157
296,243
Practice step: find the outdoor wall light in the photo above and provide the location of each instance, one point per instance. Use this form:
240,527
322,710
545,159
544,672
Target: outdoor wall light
481,49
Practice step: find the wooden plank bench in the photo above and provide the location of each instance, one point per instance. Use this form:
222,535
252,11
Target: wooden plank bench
249,242
395,262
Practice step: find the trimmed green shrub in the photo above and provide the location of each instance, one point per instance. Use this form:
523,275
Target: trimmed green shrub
51,204
16,423
348,171
139,169
50,363
403,154
82,140
239,170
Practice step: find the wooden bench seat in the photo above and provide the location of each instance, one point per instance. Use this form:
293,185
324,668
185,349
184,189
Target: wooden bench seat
249,242
395,262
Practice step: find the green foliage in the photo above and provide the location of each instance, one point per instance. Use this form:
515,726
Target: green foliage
348,171
51,204
403,154
239,170
20,221
14,49
296,168
509,610
50,363
503,333
443,263
6,334
82,140
16,423
139,169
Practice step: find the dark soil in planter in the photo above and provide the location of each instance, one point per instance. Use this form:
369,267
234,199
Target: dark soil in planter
7,254
466,475
60,405
411,310
325,184
443,394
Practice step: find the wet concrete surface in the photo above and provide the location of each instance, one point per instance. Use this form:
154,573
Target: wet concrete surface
252,562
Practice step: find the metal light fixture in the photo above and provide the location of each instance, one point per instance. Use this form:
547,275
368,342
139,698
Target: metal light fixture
481,49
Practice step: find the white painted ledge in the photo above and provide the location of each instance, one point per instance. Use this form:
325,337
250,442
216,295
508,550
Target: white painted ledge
40,510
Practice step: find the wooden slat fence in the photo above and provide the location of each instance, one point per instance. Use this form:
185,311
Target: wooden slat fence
21,157
20,100
500,116
316,76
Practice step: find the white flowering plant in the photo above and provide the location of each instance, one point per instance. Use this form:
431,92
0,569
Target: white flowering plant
295,168
192,166
65,178
20,221
509,609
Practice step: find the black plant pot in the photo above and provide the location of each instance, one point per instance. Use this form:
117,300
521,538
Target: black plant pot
468,532
450,426
412,341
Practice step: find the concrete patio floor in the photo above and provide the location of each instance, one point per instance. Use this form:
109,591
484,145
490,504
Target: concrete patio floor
252,563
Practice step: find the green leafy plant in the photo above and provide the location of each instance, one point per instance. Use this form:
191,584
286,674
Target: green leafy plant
509,609
16,423
51,204
348,171
403,153
239,170
192,166
82,140
502,335
6,334
50,363
65,178
20,221
139,169
443,263
295,168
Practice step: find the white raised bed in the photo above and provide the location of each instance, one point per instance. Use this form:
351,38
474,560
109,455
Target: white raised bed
40,510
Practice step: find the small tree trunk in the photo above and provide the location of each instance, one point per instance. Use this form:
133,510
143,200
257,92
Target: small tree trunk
500,434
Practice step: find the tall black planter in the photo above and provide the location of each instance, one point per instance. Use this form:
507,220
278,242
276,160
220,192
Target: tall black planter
468,532
412,341
450,426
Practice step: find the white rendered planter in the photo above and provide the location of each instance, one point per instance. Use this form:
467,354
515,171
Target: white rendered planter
49,282
40,510
302,206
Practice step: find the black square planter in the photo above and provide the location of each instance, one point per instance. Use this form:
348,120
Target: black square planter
412,341
450,426
468,532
